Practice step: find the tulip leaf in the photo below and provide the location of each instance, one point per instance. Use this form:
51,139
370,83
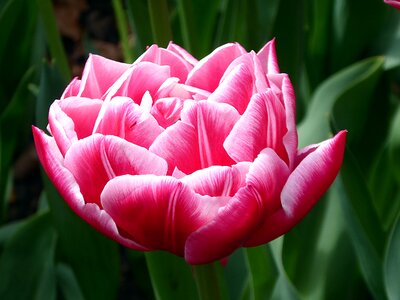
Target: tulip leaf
394,144
29,274
68,283
171,276
237,275
358,79
13,128
367,255
262,270
392,262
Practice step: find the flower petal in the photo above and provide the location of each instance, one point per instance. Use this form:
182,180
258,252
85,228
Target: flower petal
216,181
99,74
183,53
308,182
207,72
262,125
83,112
167,111
97,159
64,181
196,142
236,89
127,120
156,211
242,214
72,89
268,58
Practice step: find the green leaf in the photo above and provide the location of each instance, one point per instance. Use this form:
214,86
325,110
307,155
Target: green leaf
394,144
29,274
68,283
14,122
160,22
171,276
366,253
357,80
262,270
392,263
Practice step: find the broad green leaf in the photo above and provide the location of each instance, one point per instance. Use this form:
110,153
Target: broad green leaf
394,144
366,253
236,275
67,282
171,276
27,263
262,272
356,80
160,22
8,230
392,263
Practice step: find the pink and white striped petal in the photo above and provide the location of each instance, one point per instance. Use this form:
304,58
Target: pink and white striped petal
268,58
156,211
95,160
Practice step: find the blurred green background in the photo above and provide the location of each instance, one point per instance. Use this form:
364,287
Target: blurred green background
343,57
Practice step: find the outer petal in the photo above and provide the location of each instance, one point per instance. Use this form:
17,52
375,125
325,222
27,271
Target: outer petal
127,120
268,58
97,159
207,73
99,74
242,214
236,89
308,182
64,181
183,53
262,125
156,211
72,89
196,142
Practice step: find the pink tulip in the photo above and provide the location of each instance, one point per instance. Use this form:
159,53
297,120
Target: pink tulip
394,3
193,157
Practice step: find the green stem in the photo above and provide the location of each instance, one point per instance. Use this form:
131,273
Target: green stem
209,281
160,25
53,37
122,25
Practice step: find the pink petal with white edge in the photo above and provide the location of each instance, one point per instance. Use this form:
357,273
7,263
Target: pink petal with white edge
141,77
196,142
97,159
83,112
242,214
262,125
127,120
207,73
217,181
236,89
394,3
64,181
72,89
268,58
304,187
251,60
281,85
62,127
179,67
183,53
156,211
98,75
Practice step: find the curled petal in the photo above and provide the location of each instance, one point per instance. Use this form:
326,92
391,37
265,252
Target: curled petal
97,159
99,74
156,211
268,58
127,120
305,185
64,181
167,111
207,73
183,53
236,89
72,89
196,142
262,125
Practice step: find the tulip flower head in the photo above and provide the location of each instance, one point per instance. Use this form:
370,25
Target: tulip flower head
197,158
